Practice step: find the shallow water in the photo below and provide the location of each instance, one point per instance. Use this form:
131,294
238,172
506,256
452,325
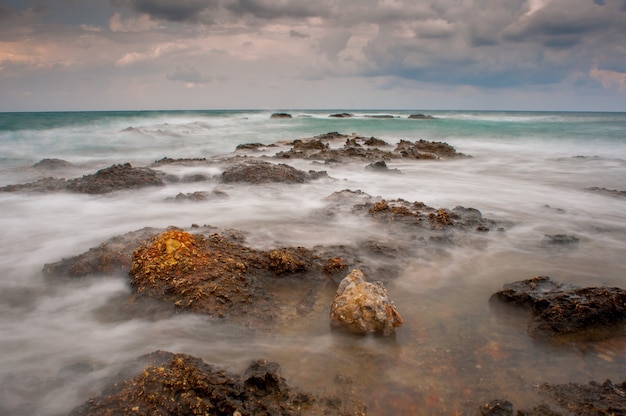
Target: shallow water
61,342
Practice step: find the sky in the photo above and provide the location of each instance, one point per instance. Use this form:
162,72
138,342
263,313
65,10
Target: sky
66,55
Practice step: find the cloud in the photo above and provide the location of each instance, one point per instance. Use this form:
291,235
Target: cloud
609,79
138,24
274,9
174,11
190,76
333,43
296,34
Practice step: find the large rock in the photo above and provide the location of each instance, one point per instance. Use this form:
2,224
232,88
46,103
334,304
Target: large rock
113,178
364,307
564,312
180,384
258,171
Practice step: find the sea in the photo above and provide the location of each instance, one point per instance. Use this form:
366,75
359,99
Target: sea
541,174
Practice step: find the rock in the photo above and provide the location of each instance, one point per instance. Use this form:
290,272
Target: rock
289,260
560,239
52,164
570,399
379,116
200,196
111,257
421,117
605,191
180,161
181,384
115,178
280,115
418,214
341,115
42,185
381,166
318,148
249,146
424,149
206,275
364,307
497,408
258,171
564,312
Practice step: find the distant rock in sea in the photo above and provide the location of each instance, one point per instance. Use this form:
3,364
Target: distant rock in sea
421,117
280,115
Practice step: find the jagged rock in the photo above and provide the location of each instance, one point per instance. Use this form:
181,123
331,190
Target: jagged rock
258,171
317,148
249,146
364,307
181,384
341,115
564,312
420,215
289,260
115,178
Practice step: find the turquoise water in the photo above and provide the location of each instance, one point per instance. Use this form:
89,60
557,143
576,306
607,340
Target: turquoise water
59,344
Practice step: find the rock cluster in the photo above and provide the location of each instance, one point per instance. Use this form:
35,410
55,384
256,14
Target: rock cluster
364,307
181,384
258,171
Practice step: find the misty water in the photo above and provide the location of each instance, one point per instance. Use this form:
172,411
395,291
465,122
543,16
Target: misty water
62,342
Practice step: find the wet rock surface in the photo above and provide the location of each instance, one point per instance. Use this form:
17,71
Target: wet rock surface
113,178
52,164
364,307
111,257
258,171
181,384
564,312
568,399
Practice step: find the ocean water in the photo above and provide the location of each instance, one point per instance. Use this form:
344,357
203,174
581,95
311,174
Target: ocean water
59,344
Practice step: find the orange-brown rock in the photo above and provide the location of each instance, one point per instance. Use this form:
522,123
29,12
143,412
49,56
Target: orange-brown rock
364,307
208,275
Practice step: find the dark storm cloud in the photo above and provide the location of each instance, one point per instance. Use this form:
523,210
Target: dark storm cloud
174,11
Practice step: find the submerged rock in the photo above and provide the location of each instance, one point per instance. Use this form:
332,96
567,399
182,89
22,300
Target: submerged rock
52,164
181,384
568,399
364,307
564,312
258,171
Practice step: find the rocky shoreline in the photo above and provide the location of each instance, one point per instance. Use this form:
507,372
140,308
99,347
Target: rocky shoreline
214,272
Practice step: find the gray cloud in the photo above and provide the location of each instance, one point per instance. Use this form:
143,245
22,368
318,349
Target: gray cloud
296,34
189,74
273,9
174,11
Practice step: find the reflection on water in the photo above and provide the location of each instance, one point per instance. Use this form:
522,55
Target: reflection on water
62,341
